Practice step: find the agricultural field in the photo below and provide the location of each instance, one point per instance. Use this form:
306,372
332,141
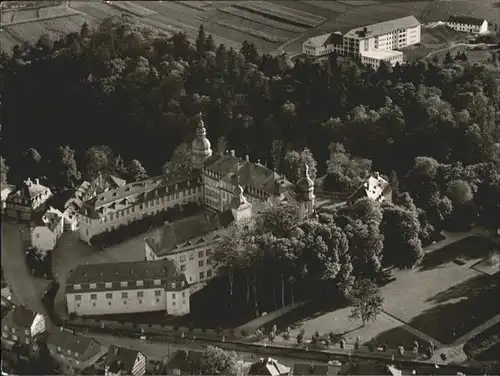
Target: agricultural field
270,25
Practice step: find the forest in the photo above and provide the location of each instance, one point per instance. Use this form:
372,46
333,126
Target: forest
123,99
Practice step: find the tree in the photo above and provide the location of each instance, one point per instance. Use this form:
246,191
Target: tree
366,301
294,164
4,170
32,163
278,220
135,171
180,161
66,168
201,40
448,59
216,361
210,44
98,159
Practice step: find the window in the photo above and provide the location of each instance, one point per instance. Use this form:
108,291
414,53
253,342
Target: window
123,284
15,338
184,294
77,287
209,262
78,297
108,285
4,335
183,268
200,254
109,295
208,252
140,301
93,296
27,332
157,300
182,258
13,330
173,295
125,302
93,285
157,292
38,236
140,283
183,301
174,285
109,303
173,304
191,256
124,295
209,273
202,275
111,216
140,294
157,281
200,263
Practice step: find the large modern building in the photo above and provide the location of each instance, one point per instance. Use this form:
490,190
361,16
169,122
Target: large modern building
467,24
363,41
213,182
127,287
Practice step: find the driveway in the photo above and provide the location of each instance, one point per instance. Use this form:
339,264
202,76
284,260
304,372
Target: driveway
26,289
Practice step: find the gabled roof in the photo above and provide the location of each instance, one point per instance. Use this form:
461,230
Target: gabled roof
383,27
268,367
374,188
20,317
121,359
178,234
369,369
321,40
184,361
466,20
302,369
50,219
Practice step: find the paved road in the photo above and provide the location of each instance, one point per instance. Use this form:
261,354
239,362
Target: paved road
26,289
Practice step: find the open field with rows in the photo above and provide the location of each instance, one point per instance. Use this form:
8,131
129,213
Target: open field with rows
268,24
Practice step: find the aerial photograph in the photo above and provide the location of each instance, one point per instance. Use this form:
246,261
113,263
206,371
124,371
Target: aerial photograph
267,188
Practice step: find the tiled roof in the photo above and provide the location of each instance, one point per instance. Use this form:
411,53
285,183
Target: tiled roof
29,190
20,316
374,188
130,272
268,367
369,369
303,369
74,349
325,39
189,232
121,359
384,27
183,361
466,20
136,192
50,219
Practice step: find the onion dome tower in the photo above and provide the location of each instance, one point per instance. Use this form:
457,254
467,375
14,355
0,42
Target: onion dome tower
201,147
306,190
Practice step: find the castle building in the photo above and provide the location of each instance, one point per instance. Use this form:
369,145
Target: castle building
26,200
214,182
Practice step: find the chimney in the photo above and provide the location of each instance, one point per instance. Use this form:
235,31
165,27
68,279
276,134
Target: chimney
376,174
233,153
262,361
258,161
247,158
37,181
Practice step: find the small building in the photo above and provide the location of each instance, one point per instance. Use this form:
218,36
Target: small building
123,361
374,57
21,326
23,202
183,362
468,24
322,45
47,229
352,369
75,353
268,367
303,369
127,287
5,192
375,188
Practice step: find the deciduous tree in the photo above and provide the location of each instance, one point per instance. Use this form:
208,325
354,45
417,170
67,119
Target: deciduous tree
216,361
366,301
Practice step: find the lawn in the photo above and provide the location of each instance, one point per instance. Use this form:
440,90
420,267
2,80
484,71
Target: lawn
486,345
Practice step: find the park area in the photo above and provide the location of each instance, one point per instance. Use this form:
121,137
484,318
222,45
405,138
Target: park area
270,25
453,291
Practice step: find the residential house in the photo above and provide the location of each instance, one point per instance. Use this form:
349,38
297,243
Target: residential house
46,230
5,192
214,182
26,200
303,369
75,353
268,367
183,362
123,361
468,24
127,287
384,36
21,326
375,188
369,369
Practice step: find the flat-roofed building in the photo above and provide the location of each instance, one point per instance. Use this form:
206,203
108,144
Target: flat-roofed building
374,57
127,287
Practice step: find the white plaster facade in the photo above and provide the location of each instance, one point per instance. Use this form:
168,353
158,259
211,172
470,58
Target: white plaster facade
478,27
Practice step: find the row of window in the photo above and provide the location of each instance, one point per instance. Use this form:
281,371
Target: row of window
140,294
138,283
201,254
14,330
14,337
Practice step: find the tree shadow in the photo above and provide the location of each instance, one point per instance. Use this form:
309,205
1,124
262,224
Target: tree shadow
395,337
461,308
473,247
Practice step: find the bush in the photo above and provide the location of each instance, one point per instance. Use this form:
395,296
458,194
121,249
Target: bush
243,333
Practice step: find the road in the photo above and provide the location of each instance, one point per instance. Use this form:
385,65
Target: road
453,45
26,289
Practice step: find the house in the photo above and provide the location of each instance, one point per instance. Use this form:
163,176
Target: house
21,326
303,369
46,230
183,362
75,353
375,57
375,188
214,182
26,200
389,35
468,24
369,369
5,192
123,361
127,287
268,367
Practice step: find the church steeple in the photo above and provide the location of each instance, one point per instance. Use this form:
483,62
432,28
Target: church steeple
240,206
201,147
306,187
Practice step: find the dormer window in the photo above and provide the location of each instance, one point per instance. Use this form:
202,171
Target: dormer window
157,282
59,349
124,284
108,285
93,285
174,285
77,287
140,283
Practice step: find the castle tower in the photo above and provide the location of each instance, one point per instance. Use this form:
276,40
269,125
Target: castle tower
201,147
306,190
240,207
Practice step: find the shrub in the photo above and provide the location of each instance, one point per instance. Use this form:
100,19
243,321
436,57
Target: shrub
243,333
